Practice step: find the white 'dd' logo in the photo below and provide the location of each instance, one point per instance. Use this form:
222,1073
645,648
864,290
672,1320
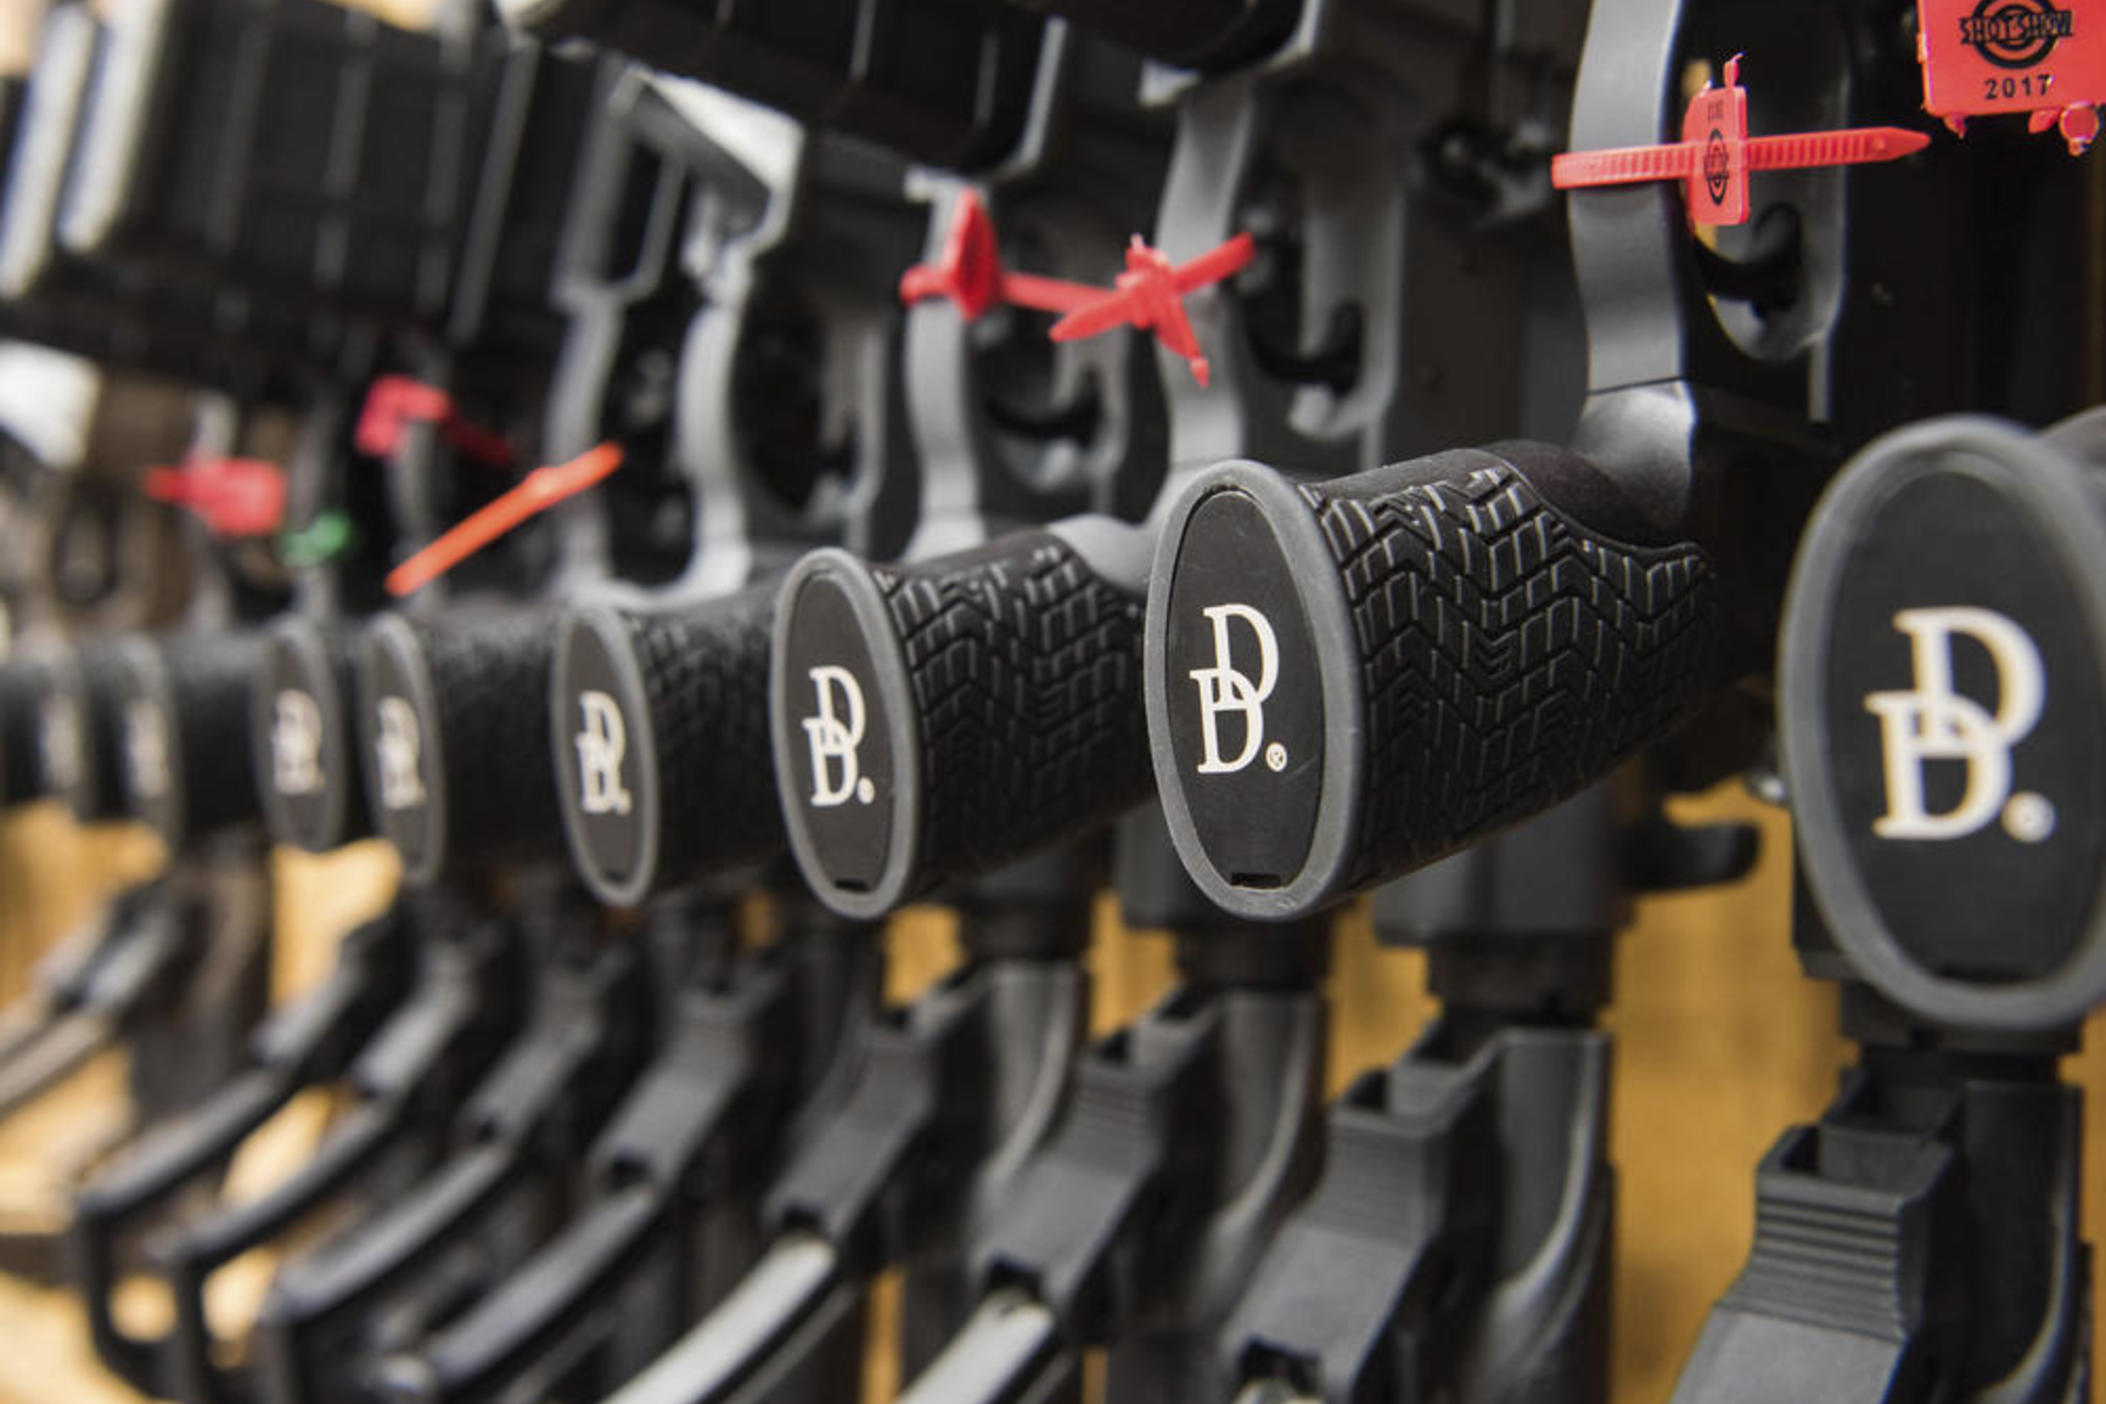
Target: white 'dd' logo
146,748
601,745
59,735
397,747
296,743
1222,688
1935,723
834,739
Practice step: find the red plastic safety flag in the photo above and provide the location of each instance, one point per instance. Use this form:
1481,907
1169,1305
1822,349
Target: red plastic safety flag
536,493
234,497
393,402
1149,294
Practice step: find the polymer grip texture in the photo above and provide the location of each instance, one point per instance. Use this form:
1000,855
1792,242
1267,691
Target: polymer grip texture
1019,677
91,686
1025,666
313,787
1508,656
1448,648
202,683
21,752
693,687
478,687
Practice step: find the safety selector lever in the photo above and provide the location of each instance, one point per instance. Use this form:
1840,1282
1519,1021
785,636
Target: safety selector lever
1943,663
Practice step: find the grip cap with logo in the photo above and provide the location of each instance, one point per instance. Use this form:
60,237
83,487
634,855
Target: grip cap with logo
940,719
1346,680
1943,672
659,726
313,790
453,726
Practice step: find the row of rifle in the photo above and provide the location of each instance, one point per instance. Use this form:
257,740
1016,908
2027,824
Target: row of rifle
988,453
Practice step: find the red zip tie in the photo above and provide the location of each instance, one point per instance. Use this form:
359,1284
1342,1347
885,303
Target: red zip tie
1149,294
393,402
536,493
1852,146
1716,153
232,496
970,271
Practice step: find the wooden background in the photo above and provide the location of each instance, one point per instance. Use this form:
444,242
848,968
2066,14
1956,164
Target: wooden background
1720,1045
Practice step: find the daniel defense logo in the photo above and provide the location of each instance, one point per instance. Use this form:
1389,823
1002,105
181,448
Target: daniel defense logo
602,739
398,745
58,736
2016,33
834,731
296,743
146,748
1935,722
1226,690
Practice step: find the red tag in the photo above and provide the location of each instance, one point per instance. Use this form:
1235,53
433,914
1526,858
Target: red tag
1717,125
393,401
1985,58
233,496
970,274
532,495
1715,154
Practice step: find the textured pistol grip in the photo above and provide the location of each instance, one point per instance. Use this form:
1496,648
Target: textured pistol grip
659,725
305,746
453,734
187,760
998,693
81,732
22,688
1348,680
